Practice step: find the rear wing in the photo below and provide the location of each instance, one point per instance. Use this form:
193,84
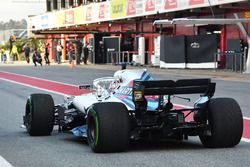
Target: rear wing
170,87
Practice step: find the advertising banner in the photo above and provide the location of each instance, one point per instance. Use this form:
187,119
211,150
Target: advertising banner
102,9
152,6
44,21
59,18
79,15
217,2
131,7
139,7
95,12
196,2
118,8
51,20
149,5
69,17
89,13
158,5
170,4
247,15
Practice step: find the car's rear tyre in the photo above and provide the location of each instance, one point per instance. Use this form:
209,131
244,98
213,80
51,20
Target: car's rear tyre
108,127
225,124
39,114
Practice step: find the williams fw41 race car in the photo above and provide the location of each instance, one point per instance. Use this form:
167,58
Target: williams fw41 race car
132,106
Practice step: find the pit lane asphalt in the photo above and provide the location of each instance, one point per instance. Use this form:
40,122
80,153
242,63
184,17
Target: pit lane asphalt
61,150
65,150
229,84
219,74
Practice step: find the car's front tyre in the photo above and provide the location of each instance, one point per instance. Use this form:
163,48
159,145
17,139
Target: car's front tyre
39,114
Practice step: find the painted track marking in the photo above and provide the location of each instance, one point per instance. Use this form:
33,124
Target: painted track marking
52,86
4,162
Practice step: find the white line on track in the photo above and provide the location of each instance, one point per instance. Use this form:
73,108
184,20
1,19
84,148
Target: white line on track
51,91
4,163
246,118
245,140
39,78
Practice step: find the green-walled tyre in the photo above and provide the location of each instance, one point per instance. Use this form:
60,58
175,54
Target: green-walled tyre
108,127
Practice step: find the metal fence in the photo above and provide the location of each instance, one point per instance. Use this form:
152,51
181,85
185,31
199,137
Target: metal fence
114,57
235,62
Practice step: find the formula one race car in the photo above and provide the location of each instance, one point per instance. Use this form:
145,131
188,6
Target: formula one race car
133,106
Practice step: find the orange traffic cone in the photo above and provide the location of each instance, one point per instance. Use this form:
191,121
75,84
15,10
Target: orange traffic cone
72,65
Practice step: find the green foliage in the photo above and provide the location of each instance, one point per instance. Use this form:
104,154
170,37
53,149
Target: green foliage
33,43
5,47
37,44
19,44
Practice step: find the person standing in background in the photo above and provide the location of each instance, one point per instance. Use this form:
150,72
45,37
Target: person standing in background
86,53
14,53
70,52
3,55
78,51
59,48
26,50
46,54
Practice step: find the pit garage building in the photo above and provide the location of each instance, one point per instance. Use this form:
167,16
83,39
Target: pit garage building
124,30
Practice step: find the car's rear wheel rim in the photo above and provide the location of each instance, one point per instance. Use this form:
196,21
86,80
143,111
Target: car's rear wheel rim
28,116
29,119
